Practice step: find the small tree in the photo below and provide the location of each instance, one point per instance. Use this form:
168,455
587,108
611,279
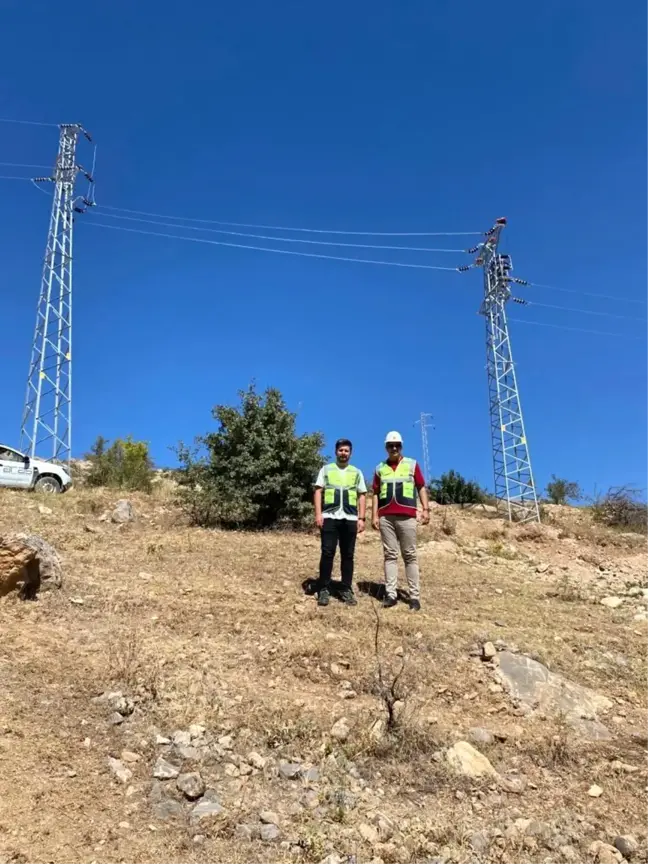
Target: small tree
126,464
257,471
452,488
560,491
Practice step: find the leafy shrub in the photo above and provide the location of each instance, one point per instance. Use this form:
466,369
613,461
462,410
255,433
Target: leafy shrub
126,464
255,471
452,488
621,507
560,491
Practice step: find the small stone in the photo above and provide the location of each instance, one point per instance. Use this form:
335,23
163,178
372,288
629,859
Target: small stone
348,694
167,809
603,853
123,512
191,785
595,791
468,761
77,601
626,845
570,855
188,754
479,735
310,799
340,730
198,839
312,775
612,602
181,738
495,688
479,843
164,770
209,807
244,769
162,740
116,719
126,826
542,568
71,772
290,770
368,833
513,783
232,770
226,742
129,756
197,730
269,817
257,761
43,510
120,771
488,651
270,833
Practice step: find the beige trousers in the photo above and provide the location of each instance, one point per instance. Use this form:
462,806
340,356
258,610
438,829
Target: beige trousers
399,532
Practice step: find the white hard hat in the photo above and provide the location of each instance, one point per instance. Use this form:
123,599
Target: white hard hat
393,438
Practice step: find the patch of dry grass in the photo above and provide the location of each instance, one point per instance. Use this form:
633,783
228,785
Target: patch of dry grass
214,627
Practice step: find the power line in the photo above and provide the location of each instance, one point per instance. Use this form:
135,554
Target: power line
22,165
266,249
586,293
12,177
282,239
307,230
582,311
575,329
27,122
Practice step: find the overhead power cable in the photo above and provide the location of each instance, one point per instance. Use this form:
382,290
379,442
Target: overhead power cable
267,249
27,122
587,293
23,165
583,311
280,239
284,228
575,329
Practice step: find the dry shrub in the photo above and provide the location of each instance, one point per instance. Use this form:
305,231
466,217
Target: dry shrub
621,507
448,524
556,747
567,590
495,532
531,531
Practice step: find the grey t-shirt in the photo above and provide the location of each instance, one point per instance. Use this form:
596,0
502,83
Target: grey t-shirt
361,489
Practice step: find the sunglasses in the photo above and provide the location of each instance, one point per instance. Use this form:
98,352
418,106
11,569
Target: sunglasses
394,446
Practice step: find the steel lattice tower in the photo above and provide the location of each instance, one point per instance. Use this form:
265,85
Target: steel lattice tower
425,446
514,485
47,417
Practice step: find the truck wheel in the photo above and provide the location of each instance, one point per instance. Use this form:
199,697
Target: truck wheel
47,484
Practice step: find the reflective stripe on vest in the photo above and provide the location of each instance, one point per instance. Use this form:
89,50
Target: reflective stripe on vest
397,485
340,486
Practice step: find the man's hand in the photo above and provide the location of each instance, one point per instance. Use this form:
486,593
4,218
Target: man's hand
375,523
425,517
361,526
319,520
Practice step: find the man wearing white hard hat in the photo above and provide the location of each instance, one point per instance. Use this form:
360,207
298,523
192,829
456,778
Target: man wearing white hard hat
397,482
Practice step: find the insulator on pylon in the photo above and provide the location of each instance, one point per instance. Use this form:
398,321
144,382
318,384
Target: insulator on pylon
463,268
473,250
520,281
520,301
501,220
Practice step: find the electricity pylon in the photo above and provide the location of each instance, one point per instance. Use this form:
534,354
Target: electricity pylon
47,417
514,484
425,425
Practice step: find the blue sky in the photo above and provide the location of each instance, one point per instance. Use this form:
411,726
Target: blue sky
381,116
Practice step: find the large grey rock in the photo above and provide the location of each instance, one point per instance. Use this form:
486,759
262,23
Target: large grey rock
123,512
121,772
530,683
192,785
164,770
290,770
209,807
464,759
269,833
48,558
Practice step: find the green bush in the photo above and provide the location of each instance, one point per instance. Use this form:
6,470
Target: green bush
254,471
560,491
452,488
126,464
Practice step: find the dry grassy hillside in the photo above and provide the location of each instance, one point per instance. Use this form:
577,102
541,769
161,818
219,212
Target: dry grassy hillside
171,649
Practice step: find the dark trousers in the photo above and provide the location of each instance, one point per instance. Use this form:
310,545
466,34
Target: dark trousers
334,531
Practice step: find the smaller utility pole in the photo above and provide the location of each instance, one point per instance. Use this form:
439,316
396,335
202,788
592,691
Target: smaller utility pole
425,446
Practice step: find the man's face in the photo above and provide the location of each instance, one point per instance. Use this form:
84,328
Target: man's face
343,454
393,451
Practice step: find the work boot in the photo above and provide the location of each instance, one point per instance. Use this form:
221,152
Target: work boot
388,602
347,596
415,606
323,597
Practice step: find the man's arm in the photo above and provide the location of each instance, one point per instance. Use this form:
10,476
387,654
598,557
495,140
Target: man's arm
362,502
423,495
375,521
317,501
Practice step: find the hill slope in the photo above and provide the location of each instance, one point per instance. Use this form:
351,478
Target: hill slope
226,669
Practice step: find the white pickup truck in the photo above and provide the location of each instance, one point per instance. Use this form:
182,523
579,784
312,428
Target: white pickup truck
18,471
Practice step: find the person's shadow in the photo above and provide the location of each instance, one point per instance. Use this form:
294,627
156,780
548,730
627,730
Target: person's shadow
376,590
309,587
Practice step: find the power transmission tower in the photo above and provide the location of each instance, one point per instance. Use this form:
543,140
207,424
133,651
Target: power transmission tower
514,485
425,425
47,417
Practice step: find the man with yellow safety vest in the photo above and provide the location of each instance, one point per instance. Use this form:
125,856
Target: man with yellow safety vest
340,502
396,484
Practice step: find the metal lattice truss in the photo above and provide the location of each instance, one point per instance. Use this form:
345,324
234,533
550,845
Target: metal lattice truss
47,418
514,484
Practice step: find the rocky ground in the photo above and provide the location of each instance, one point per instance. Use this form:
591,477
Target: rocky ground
181,698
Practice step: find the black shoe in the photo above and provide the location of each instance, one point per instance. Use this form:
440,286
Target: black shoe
347,596
415,606
323,598
388,602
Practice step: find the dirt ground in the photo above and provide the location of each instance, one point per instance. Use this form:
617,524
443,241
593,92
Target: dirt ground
214,628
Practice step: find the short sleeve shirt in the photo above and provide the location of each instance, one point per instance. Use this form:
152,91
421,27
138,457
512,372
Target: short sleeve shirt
361,488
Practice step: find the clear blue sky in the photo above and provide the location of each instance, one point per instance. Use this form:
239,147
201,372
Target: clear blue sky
381,116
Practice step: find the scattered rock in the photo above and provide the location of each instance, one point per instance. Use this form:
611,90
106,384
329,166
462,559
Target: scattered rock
257,761
595,791
188,754
312,775
340,730
626,845
164,770
612,602
542,568
479,843
123,512
269,817
120,771
488,651
167,809
116,718
270,833
181,738
28,561
464,759
532,685
191,785
129,756
603,853
209,807
290,770
368,833
162,740
479,735
226,742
